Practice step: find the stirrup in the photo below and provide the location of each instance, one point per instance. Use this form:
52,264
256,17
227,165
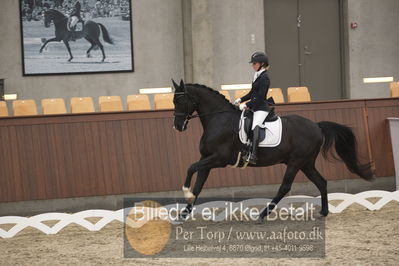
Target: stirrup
249,158
246,157
252,159
247,153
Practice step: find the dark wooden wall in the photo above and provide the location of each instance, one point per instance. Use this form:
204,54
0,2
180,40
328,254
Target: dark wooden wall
47,157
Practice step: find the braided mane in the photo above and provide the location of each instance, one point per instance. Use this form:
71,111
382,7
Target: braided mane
217,93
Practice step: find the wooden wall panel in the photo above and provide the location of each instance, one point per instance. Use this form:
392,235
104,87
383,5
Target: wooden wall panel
58,156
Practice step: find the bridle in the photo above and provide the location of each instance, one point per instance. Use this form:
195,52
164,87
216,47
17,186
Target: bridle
187,114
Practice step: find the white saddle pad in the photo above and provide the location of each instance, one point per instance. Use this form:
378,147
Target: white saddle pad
79,27
273,133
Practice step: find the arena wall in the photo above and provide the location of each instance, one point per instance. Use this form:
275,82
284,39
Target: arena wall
98,154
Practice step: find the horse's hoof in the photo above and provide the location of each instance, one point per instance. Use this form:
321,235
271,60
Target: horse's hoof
88,55
70,60
41,51
184,214
260,221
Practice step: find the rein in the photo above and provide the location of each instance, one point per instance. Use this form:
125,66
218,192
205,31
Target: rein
190,116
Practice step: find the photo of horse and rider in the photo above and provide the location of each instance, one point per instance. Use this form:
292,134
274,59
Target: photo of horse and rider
76,36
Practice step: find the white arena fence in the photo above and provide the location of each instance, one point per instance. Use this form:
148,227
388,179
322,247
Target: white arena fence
106,216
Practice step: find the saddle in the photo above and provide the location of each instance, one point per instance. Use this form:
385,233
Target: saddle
269,136
249,117
270,132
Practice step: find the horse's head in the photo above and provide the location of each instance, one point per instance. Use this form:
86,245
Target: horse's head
184,106
52,15
48,17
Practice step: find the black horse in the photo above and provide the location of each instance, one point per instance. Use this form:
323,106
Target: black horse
91,32
301,143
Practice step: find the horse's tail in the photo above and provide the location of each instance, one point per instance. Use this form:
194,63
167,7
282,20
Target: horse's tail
346,148
106,36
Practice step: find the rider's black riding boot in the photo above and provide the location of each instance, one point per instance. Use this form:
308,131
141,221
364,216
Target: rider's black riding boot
255,142
73,36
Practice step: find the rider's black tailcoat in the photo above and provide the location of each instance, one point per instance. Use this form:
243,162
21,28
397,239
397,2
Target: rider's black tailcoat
257,95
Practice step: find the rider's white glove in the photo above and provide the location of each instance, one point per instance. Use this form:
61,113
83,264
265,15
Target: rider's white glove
243,106
237,101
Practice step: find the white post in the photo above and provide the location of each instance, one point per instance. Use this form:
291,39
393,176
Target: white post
394,127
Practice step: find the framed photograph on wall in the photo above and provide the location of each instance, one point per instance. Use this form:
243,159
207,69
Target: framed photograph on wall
76,36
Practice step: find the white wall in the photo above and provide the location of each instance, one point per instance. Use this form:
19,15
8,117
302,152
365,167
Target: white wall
222,47
373,48
234,23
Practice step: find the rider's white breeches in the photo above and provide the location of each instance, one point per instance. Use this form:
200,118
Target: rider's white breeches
74,21
259,117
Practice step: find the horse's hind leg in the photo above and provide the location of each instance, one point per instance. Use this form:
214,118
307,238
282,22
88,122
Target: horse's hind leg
93,44
99,44
285,187
317,179
69,50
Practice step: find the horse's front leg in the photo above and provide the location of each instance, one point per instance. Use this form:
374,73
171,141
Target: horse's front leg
203,168
199,183
69,50
46,42
204,163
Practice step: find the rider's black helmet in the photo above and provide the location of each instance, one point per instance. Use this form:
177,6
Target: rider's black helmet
259,57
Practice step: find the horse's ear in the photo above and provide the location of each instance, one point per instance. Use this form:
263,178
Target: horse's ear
175,85
182,84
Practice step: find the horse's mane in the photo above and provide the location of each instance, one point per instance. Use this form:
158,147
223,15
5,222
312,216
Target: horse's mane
217,93
59,13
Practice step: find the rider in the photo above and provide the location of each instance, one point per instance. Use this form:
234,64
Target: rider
257,97
75,18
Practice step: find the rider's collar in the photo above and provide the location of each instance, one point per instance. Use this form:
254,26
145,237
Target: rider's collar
257,74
